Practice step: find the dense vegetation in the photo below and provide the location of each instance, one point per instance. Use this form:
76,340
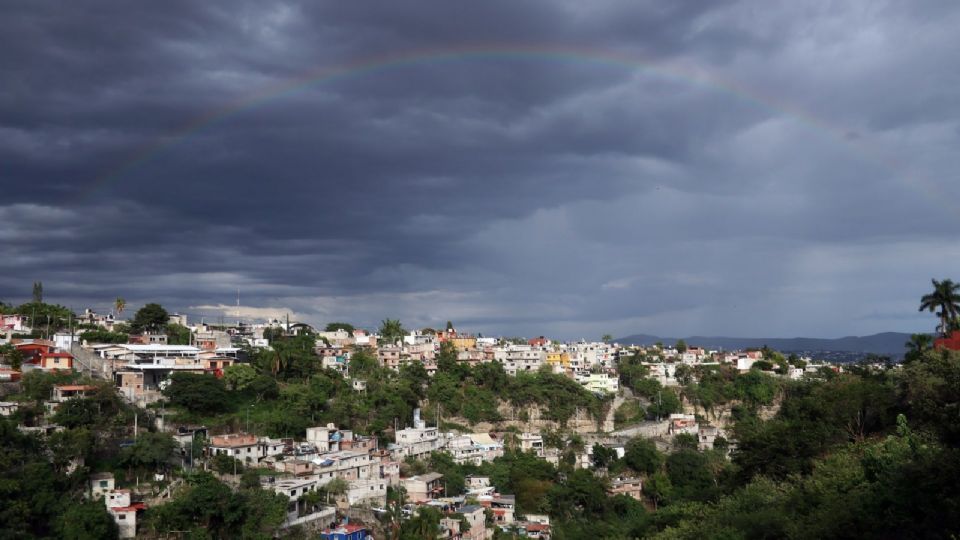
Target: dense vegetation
867,453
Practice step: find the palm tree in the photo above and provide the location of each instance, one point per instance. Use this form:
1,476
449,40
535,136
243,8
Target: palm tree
391,331
918,344
119,304
946,298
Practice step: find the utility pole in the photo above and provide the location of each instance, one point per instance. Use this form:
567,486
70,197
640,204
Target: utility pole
135,424
659,405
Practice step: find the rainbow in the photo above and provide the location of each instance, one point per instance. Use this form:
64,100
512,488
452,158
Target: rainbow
688,74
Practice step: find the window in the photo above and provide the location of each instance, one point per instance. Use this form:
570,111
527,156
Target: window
121,516
103,483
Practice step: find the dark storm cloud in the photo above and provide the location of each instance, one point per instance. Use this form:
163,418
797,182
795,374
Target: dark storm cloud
714,193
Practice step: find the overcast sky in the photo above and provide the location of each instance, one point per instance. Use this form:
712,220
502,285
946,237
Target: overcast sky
565,168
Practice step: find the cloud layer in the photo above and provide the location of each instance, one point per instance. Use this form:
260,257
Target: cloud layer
739,168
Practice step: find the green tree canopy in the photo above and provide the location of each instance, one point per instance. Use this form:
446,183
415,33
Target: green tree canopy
151,317
391,331
334,326
200,393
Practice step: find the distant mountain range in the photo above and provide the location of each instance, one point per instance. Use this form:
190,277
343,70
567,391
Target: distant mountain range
849,348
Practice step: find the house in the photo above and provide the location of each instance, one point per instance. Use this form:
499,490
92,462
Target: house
347,531
538,342
293,489
450,528
104,321
33,349
502,506
63,392
600,383
7,408
9,375
463,342
530,529
65,341
417,441
631,487
370,492
532,442
683,423
60,361
296,467
744,362
123,511
706,436
325,438
476,518
100,485
239,446
390,471
477,482
347,465
14,323
423,487
389,356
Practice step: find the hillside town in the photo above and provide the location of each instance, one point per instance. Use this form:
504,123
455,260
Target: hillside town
338,479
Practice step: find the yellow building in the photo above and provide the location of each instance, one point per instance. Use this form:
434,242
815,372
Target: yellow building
558,358
463,342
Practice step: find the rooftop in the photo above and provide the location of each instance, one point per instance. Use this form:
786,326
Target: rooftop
428,477
159,348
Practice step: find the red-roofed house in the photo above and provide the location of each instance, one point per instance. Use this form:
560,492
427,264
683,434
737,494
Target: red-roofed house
56,361
123,511
32,351
538,342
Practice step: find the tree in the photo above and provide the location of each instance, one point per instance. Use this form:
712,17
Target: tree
225,464
946,298
12,356
681,346
336,487
391,331
119,305
197,392
177,334
101,335
642,456
606,338
602,456
150,450
38,292
658,488
239,376
425,525
150,317
75,413
917,346
685,441
334,326
85,520
683,374
263,387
